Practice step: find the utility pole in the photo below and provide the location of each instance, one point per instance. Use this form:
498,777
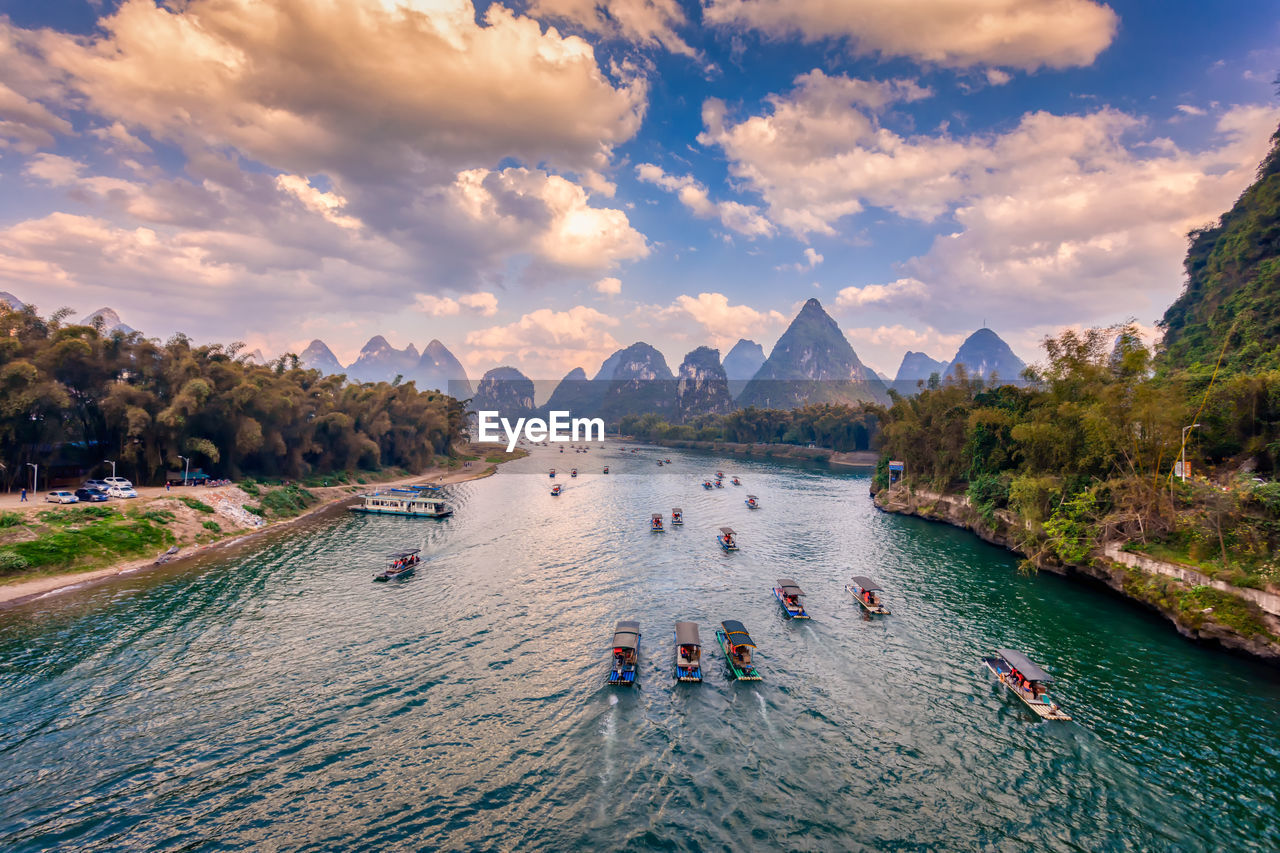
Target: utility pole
35,477
1183,461
187,470
113,466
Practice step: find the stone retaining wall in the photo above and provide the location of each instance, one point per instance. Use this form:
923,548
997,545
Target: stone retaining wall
1268,601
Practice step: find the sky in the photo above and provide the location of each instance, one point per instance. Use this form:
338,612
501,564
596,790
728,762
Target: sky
538,184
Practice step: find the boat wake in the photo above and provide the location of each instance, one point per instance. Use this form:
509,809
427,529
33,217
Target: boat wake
764,712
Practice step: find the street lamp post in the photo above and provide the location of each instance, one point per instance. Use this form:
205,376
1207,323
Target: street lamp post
35,476
112,463
1183,461
186,470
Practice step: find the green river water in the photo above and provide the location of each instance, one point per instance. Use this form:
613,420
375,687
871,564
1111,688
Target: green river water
273,698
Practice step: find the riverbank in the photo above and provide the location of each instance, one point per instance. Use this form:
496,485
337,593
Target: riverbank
181,518
852,459
1200,609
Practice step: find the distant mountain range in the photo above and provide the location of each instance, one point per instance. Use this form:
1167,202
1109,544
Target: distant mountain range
812,362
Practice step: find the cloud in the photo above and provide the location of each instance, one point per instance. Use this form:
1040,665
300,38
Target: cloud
547,216
644,22
811,260
1024,34
326,204
1059,218
720,321
545,343
901,293
484,303
742,218
885,345
1188,109
608,286
25,124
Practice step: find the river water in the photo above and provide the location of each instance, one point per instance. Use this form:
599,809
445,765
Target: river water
274,698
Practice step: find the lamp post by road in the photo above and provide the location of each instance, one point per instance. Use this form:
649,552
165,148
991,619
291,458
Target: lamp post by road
112,463
187,470
1182,463
35,477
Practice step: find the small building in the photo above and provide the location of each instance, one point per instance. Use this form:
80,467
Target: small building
196,477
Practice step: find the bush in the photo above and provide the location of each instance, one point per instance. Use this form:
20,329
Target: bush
255,510
196,504
250,488
159,516
10,519
288,501
212,525
11,561
989,492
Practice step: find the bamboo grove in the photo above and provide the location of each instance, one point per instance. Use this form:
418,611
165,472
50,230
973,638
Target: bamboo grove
73,395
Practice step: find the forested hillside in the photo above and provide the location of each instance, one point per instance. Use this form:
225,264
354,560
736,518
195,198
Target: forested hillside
1232,294
73,395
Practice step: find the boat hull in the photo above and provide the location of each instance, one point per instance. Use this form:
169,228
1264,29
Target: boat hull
1044,710
738,673
725,545
396,576
797,613
405,513
625,675
874,609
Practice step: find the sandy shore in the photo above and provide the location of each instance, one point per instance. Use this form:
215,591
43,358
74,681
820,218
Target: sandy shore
13,594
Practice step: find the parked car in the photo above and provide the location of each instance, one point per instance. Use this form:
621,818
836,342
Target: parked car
122,492
117,481
96,484
91,495
61,498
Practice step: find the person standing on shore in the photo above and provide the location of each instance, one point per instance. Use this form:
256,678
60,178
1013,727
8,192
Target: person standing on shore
24,495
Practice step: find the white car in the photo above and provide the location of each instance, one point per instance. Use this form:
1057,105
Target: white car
122,492
114,482
61,498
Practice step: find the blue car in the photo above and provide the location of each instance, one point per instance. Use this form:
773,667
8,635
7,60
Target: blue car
91,495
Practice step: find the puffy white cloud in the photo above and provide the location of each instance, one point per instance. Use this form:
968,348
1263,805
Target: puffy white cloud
742,218
608,286
646,22
1027,34
885,345
719,321
1059,217
327,204
546,344
811,260
819,153
419,86
901,293
484,303
548,216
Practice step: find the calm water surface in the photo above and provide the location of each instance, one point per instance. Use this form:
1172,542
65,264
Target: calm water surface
277,699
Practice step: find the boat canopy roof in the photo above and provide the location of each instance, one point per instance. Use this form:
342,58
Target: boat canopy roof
400,555
626,635
657,516
865,582
737,633
1029,669
727,531
687,634
789,587
751,497
677,509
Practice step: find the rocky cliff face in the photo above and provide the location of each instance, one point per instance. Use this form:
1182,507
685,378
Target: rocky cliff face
439,369
380,362
7,298
702,388
318,356
506,391
985,354
916,366
812,363
640,383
